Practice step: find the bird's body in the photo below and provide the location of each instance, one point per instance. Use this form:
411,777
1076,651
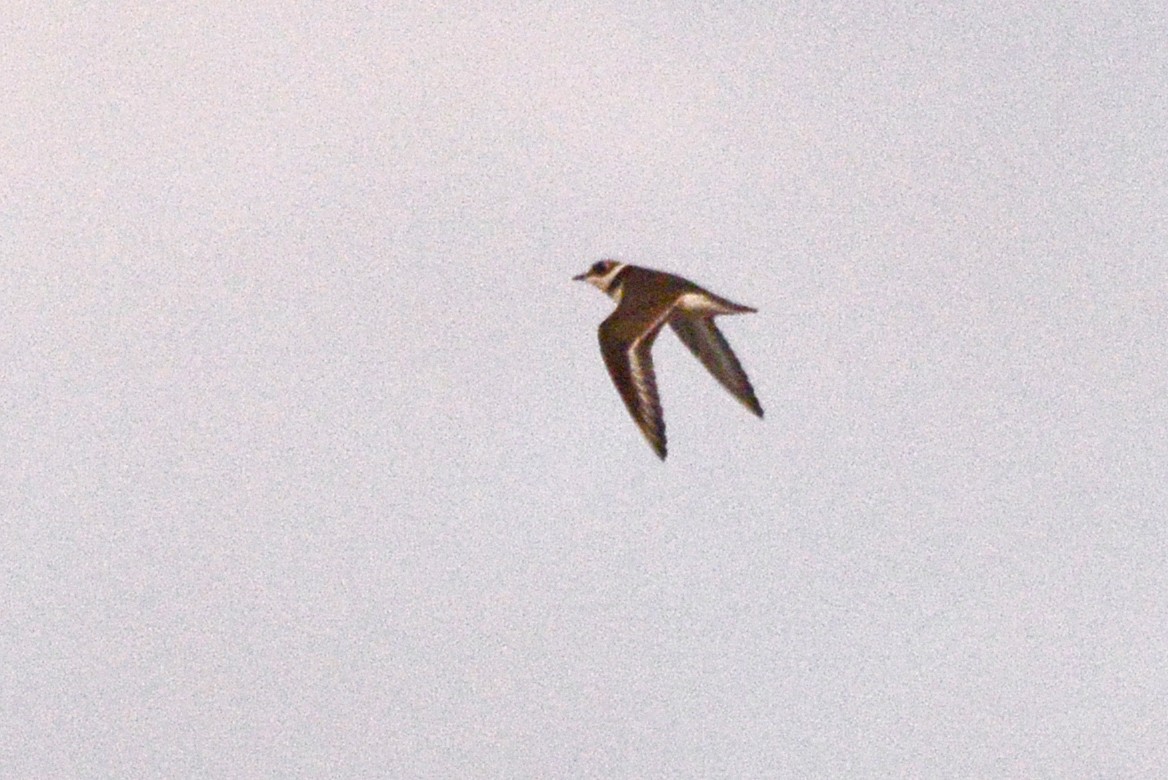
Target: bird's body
647,300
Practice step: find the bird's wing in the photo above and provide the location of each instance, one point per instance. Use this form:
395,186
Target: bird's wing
626,342
709,346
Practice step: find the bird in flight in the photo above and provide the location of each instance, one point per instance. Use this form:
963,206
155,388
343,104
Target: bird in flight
645,301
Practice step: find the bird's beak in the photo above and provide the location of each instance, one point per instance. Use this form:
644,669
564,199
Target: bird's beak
580,277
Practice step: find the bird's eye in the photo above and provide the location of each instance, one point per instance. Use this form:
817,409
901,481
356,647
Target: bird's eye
599,267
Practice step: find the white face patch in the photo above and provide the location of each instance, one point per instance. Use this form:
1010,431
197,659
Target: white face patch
604,283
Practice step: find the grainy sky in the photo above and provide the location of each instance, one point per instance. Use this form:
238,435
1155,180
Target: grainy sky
311,466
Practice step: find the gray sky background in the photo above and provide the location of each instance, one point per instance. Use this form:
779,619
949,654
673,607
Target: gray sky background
311,466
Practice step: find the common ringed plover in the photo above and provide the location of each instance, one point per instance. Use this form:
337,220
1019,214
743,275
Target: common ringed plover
645,301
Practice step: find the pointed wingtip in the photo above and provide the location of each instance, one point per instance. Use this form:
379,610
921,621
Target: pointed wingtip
751,403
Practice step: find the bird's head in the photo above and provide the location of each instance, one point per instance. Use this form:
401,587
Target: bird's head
601,274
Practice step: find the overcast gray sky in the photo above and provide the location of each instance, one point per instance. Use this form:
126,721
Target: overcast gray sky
311,466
